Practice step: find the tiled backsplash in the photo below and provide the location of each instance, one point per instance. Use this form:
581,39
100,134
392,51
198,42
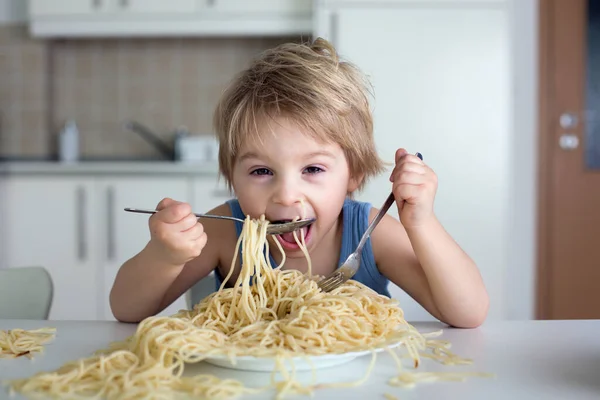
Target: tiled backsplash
162,83
23,95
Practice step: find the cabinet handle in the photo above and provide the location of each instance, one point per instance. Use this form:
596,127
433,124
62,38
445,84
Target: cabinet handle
81,228
110,210
96,3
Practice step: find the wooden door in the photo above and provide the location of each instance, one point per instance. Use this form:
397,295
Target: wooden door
569,218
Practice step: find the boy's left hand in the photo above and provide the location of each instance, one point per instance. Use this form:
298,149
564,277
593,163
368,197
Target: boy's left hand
414,185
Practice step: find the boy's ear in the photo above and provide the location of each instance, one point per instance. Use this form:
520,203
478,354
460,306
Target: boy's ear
355,183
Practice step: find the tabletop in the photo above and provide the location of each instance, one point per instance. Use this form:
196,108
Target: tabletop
530,360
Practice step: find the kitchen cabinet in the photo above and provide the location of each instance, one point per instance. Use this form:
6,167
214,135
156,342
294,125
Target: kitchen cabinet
156,7
68,8
125,234
441,75
261,6
76,227
50,223
85,18
207,194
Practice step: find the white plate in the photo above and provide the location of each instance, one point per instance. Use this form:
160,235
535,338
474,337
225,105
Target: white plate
264,364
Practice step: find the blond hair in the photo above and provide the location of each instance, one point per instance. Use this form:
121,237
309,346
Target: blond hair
308,84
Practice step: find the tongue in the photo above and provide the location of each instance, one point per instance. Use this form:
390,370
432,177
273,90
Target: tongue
289,237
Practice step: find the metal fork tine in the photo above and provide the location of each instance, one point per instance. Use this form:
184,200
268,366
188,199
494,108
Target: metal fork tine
335,279
332,286
334,276
325,288
324,285
331,282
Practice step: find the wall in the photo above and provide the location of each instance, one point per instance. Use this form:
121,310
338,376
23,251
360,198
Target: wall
23,101
521,269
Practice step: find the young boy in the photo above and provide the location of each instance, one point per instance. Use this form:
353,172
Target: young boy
296,134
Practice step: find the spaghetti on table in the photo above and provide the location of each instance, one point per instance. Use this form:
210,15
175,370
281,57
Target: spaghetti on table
269,312
20,342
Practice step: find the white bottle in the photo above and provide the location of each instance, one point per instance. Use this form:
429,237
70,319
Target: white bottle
68,143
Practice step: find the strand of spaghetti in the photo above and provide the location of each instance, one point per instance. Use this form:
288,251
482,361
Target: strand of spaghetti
410,379
232,266
302,245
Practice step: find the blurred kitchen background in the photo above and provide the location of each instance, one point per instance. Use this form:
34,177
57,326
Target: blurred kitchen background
106,104
164,83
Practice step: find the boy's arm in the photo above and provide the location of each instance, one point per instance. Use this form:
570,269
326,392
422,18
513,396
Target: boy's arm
420,256
431,268
138,287
143,285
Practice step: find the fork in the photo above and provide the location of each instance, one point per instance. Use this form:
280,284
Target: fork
350,266
276,228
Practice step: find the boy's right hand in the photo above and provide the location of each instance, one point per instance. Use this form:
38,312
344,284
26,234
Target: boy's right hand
176,235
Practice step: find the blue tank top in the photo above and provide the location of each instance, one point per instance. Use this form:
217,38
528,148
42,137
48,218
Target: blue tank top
355,222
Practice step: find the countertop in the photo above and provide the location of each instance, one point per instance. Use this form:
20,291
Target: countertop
107,167
531,360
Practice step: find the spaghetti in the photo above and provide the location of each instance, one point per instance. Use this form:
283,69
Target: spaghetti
20,342
268,312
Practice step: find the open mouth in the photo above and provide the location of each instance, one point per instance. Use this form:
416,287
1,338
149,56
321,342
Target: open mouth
288,241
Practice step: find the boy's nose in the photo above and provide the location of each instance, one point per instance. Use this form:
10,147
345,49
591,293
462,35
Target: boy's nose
286,193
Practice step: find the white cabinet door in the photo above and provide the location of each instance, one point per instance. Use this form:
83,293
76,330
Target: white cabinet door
208,193
262,6
48,221
442,87
44,8
154,6
125,234
74,8
101,18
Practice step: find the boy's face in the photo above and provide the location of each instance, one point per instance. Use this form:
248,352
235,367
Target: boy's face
287,168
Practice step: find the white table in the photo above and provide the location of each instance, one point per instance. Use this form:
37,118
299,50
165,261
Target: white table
532,360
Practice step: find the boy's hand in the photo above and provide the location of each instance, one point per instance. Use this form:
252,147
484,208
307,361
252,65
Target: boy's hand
414,185
176,235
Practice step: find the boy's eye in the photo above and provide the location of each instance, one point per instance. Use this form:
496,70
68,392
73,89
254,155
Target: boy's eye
313,170
260,171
